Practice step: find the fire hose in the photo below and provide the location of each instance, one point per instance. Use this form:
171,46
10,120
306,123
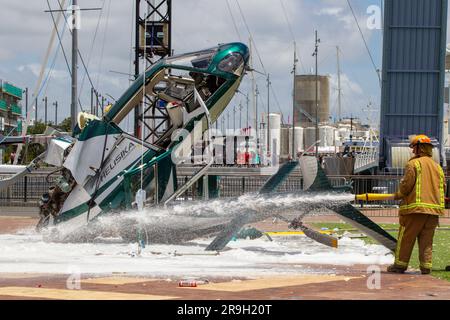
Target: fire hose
380,197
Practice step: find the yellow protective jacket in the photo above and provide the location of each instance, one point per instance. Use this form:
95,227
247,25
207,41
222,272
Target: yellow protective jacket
422,189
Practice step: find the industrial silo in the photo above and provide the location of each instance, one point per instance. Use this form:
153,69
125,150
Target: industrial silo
286,141
285,145
326,136
275,133
309,137
305,100
298,140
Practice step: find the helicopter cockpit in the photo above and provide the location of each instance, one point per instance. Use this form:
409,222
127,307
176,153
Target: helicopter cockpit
175,85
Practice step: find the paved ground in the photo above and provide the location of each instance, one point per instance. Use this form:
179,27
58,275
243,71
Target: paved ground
347,282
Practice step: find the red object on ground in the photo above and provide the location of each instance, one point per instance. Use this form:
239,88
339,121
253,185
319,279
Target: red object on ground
187,283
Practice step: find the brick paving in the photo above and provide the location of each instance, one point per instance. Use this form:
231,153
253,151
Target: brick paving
410,286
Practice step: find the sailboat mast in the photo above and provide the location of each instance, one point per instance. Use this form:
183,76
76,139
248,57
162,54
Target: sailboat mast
294,71
255,98
73,104
339,85
316,53
253,84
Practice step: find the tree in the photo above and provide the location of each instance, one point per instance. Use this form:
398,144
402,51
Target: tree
65,125
7,153
32,150
38,128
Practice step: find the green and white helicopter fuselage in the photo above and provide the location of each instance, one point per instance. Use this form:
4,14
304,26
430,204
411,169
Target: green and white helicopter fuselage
104,167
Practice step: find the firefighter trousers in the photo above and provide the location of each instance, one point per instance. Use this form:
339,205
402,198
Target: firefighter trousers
416,226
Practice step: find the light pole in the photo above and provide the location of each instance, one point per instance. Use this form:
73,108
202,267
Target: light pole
26,102
256,117
240,115
36,111
56,112
92,101
247,100
103,104
268,114
315,54
257,125
73,104
96,102
294,71
45,110
234,117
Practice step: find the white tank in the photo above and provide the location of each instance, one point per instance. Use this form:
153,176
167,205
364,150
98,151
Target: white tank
275,133
298,140
285,142
343,133
401,155
337,138
326,136
309,137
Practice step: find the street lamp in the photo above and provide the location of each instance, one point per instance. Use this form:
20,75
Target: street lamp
45,110
56,112
26,101
316,54
247,100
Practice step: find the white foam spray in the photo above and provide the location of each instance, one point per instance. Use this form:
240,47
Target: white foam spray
190,219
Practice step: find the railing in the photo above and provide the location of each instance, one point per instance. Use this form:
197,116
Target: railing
3,105
16,109
366,160
13,107
27,191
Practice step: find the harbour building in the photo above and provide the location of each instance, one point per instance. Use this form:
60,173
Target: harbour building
10,108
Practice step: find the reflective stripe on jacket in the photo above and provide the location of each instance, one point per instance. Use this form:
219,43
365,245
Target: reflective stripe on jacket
422,189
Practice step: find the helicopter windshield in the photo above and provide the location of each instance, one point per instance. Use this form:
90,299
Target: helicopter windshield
198,60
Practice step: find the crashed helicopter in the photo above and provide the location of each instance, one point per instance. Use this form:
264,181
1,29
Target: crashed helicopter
102,169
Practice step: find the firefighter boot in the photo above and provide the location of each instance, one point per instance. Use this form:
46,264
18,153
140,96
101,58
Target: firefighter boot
425,270
396,269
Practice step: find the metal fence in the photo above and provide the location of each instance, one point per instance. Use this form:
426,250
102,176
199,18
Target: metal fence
27,191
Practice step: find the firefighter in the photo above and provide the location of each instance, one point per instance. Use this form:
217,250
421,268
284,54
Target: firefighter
422,195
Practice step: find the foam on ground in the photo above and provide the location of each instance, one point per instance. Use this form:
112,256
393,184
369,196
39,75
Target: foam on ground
27,252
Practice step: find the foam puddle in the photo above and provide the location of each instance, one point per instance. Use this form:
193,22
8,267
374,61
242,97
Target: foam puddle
245,258
28,251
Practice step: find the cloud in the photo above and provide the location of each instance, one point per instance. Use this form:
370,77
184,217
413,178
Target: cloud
35,69
5,54
330,11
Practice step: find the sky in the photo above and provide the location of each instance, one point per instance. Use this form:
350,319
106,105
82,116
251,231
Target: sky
106,41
